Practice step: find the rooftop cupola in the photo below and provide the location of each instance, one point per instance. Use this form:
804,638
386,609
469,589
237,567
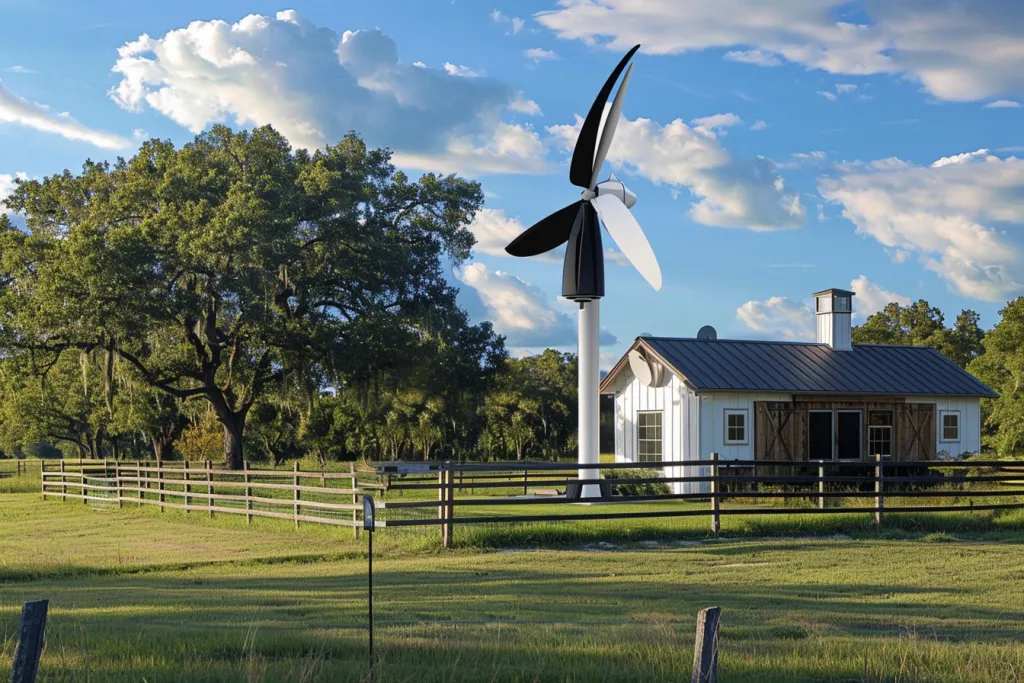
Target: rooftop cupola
833,308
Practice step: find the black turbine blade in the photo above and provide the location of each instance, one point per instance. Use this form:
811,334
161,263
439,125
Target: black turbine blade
546,234
582,167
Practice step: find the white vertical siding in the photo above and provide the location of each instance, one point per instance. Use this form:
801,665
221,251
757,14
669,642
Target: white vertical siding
824,329
970,422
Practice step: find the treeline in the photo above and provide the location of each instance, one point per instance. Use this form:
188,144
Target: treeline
996,357
236,298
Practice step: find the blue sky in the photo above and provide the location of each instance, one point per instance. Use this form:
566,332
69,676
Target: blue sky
776,148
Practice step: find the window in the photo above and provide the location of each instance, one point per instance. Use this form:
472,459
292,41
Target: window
842,304
880,433
648,436
735,427
950,425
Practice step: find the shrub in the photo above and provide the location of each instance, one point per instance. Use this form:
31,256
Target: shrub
632,489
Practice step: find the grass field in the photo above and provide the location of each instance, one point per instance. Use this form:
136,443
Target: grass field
137,595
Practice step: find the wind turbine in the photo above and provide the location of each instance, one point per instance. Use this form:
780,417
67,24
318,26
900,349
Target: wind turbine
583,271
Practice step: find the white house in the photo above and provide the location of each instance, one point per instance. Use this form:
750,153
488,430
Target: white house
685,398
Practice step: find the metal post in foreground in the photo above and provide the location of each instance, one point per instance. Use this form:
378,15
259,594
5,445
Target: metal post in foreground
369,522
30,642
589,376
705,649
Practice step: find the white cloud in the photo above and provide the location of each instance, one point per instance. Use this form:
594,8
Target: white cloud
779,318
516,23
845,88
730,192
1003,104
758,57
961,216
716,122
539,54
525,106
871,298
521,311
827,95
460,70
957,51
18,110
315,85
759,125
511,148
19,69
798,159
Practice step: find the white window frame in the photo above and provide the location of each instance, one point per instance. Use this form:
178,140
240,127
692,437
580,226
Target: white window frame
746,426
660,442
942,426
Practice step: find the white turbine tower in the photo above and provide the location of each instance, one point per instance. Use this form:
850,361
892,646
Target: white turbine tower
608,202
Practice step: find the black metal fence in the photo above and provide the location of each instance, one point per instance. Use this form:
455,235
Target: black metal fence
726,487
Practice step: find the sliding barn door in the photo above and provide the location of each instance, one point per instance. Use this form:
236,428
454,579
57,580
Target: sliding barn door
780,431
915,431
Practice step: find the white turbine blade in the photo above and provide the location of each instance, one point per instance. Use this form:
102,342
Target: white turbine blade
628,236
610,122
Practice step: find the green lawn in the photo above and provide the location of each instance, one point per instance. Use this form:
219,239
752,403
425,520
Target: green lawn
137,595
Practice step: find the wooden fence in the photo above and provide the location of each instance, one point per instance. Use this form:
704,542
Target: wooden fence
317,497
754,487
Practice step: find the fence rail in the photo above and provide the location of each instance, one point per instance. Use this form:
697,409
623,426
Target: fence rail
449,494
279,494
968,485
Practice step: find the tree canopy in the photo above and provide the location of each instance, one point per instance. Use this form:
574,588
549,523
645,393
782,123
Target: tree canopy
237,271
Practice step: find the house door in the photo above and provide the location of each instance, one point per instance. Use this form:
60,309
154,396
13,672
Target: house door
848,442
820,440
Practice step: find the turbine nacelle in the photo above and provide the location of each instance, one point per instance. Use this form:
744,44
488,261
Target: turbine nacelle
614,187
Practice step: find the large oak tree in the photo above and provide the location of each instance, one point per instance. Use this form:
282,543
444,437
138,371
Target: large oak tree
234,267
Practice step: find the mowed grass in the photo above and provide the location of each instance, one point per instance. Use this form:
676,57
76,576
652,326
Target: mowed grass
137,595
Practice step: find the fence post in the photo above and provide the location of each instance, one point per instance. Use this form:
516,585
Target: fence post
248,492
705,649
63,483
355,500
821,486
160,482
716,519
138,481
209,487
879,499
25,664
526,480
295,493
449,503
81,481
117,483
184,477
441,507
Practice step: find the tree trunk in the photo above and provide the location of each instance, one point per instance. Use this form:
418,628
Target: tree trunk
233,429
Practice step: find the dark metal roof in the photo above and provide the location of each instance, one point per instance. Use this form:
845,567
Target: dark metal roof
790,367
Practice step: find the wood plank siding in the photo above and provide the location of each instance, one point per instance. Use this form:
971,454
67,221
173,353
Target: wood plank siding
781,429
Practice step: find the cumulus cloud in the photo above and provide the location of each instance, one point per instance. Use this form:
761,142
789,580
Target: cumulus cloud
759,125
729,192
872,297
957,51
778,318
525,106
315,85
539,54
1003,104
716,123
521,311
758,57
23,112
961,216
516,24
460,70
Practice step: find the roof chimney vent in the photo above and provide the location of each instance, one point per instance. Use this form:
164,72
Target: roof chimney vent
833,308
